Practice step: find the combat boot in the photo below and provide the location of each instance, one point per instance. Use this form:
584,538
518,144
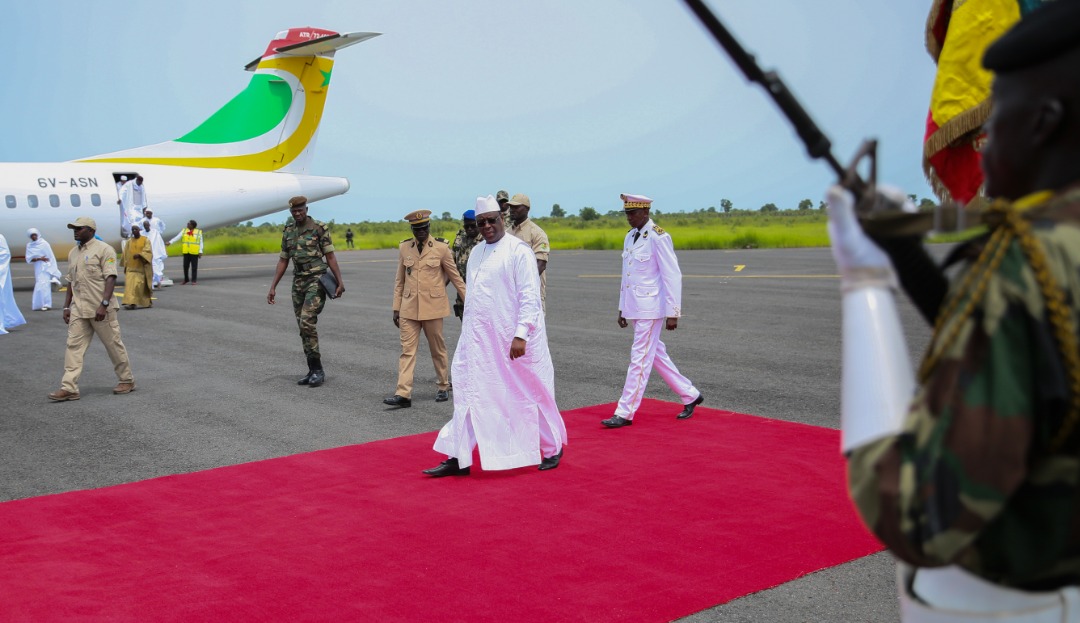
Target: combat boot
307,379
317,375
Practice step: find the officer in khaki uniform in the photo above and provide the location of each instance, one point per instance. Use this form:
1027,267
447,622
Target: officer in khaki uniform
90,308
528,231
420,302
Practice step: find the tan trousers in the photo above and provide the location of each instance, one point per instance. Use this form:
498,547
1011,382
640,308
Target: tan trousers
410,339
80,332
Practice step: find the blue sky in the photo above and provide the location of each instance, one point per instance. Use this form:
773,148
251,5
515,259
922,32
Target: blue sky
571,102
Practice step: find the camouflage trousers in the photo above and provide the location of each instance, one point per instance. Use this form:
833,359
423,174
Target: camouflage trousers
308,299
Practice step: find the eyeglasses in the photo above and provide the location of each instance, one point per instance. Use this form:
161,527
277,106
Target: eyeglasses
480,222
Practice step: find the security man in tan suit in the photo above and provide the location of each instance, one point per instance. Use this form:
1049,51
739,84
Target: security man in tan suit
90,308
420,302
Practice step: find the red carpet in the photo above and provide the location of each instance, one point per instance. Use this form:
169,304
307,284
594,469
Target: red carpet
646,523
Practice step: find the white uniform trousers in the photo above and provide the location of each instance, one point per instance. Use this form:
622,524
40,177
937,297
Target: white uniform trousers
648,352
952,595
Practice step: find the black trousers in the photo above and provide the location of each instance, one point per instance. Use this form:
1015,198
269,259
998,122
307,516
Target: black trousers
191,261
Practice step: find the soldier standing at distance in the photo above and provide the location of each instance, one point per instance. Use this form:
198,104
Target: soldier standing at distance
968,473
649,297
89,309
503,199
306,242
420,302
466,239
528,231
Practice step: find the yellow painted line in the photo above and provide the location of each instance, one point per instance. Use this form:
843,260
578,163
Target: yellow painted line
739,267
726,276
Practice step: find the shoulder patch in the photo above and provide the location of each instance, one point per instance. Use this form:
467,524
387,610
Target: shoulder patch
442,240
405,240
657,229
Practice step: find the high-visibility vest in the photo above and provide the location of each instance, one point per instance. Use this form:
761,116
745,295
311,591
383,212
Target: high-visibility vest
190,241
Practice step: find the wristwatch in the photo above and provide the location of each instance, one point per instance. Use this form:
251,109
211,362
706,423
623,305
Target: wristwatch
105,304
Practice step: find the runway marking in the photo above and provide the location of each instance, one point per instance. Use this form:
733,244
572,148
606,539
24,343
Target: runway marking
739,267
726,276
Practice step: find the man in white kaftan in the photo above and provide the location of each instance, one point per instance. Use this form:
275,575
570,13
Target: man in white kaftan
504,382
10,316
132,203
39,254
155,229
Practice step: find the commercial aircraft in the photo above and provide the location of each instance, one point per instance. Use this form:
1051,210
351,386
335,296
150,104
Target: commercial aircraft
245,161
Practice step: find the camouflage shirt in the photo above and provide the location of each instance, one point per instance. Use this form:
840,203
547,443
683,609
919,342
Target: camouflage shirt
462,247
306,248
972,479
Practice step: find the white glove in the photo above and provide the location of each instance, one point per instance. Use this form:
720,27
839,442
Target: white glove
861,262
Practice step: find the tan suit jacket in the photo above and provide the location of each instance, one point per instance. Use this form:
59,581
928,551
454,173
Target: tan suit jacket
420,284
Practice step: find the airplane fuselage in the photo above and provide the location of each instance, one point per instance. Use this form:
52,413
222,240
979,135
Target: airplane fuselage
48,196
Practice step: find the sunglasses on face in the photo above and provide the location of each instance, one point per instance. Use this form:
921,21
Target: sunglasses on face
480,222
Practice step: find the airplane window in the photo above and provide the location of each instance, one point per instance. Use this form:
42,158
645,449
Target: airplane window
54,201
76,201
32,201
10,201
95,200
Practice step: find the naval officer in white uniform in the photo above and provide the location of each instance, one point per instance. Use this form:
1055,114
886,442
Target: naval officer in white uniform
649,298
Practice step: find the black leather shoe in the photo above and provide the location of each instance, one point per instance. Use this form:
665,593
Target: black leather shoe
397,401
688,410
449,467
306,379
616,421
550,462
317,378
442,395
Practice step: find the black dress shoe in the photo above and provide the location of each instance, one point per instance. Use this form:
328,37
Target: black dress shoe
688,410
397,401
442,395
550,462
449,467
616,421
306,379
317,378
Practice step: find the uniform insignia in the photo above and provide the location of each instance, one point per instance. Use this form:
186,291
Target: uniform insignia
644,235
657,229
442,240
405,240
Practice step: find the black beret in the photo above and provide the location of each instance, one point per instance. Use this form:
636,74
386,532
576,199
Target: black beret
1046,33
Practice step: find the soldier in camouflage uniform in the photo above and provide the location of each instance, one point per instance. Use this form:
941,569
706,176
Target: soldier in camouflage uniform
974,484
307,243
466,239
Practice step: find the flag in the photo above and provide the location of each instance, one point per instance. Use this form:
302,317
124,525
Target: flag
957,34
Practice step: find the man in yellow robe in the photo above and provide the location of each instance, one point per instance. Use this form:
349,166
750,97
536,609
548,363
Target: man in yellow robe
138,270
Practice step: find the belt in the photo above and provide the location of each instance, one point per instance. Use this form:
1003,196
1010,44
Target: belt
300,267
953,595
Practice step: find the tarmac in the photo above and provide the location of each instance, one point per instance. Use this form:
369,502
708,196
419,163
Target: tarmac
216,370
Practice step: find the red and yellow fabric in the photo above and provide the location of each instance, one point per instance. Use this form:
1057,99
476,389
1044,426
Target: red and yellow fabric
957,34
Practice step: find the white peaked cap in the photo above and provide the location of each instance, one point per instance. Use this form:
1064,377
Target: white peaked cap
486,204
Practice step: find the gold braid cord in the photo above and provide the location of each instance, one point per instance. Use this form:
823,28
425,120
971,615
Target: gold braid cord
959,309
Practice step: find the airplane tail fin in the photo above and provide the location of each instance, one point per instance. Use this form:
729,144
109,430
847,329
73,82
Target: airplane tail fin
273,123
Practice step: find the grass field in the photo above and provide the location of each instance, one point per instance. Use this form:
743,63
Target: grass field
700,230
